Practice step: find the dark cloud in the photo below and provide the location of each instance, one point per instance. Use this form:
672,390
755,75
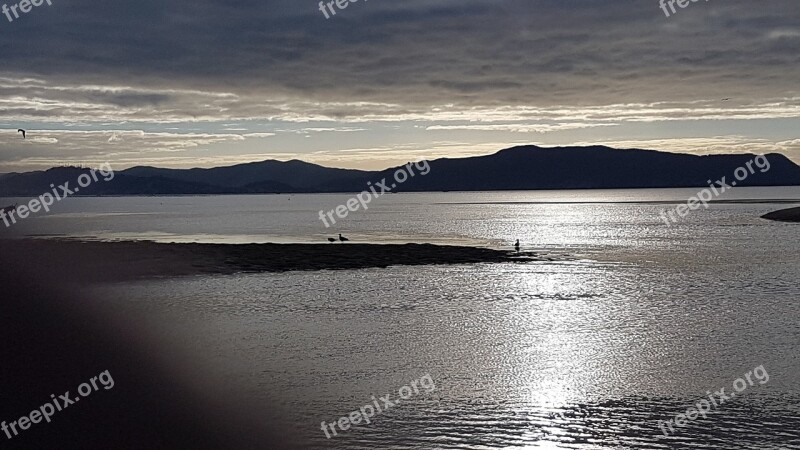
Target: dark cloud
467,74
418,52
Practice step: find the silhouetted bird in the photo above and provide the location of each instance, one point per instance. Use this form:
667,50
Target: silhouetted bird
516,245
331,240
342,238
21,131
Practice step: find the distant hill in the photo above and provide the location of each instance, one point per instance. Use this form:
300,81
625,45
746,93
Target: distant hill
270,175
597,167
518,168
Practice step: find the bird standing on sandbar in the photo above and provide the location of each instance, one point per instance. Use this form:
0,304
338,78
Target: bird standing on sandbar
342,238
516,245
331,240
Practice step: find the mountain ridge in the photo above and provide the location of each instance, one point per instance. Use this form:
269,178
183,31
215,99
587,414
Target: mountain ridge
527,167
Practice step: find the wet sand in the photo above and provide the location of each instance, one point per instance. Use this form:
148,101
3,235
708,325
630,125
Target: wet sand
784,215
127,260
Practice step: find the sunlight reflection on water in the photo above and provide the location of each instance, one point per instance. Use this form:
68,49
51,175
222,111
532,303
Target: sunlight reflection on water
582,354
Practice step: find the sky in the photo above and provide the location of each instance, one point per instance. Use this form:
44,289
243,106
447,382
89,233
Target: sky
205,83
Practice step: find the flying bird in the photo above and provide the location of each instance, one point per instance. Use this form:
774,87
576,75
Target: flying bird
725,99
21,131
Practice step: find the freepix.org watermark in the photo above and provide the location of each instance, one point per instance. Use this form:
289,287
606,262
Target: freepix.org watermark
716,399
10,215
663,4
368,411
340,4
62,402
714,190
363,199
24,7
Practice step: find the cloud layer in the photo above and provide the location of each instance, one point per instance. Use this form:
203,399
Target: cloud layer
189,75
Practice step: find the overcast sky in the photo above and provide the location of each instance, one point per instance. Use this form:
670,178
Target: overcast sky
179,83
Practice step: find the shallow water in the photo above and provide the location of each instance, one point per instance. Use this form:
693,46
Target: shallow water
582,354
540,218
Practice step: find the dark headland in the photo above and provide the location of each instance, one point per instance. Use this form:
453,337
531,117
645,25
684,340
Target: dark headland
127,260
784,215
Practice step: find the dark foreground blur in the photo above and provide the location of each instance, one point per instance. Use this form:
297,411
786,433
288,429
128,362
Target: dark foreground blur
52,341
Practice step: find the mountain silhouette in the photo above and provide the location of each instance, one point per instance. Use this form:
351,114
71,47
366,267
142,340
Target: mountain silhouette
517,168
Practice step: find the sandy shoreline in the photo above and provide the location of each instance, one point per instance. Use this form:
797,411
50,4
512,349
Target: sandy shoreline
127,260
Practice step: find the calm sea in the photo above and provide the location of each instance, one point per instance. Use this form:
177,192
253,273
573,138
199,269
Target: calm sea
634,322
